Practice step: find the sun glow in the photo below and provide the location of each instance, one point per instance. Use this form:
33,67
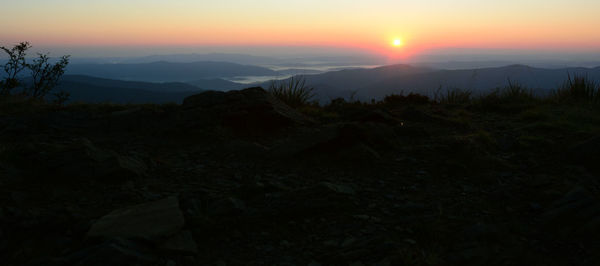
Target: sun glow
397,42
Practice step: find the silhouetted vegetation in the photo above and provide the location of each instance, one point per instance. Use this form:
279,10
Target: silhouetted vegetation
401,99
516,92
41,77
294,92
453,96
579,89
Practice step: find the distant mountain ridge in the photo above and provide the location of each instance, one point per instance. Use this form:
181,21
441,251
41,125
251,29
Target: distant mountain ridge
378,82
167,71
217,84
479,81
362,83
214,57
95,90
151,86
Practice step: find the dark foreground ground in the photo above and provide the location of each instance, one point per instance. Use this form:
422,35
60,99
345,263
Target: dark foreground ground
242,179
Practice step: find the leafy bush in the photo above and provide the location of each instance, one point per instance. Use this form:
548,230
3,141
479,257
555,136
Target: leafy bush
16,63
43,75
293,92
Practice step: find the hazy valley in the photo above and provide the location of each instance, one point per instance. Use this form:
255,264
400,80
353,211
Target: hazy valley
160,82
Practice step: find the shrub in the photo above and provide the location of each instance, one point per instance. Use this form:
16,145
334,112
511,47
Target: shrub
13,67
294,92
43,75
401,99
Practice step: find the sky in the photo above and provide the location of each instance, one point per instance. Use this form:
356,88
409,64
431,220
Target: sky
150,26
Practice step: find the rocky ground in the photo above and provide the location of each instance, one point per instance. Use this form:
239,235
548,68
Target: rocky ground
240,178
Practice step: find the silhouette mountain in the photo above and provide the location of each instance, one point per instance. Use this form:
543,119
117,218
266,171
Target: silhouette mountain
167,71
217,84
91,89
381,81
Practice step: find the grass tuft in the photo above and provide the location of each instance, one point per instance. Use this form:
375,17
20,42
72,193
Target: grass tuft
578,89
453,96
294,92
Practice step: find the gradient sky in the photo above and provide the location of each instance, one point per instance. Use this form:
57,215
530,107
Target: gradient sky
371,25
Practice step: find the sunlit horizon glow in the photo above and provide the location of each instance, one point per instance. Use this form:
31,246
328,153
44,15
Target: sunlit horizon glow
565,25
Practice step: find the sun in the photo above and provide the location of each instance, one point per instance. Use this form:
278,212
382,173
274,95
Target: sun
397,42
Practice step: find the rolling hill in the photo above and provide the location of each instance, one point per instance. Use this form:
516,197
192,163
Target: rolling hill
93,90
167,71
381,81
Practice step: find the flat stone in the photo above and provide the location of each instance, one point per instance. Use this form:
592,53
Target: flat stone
181,243
153,221
585,153
227,207
116,251
343,189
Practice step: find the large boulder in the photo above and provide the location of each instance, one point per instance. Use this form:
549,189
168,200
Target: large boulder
155,221
247,111
181,243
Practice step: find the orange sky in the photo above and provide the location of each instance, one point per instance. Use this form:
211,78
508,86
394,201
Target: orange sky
370,25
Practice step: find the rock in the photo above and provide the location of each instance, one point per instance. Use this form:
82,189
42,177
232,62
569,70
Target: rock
482,232
251,110
116,251
109,163
380,116
355,142
220,263
181,243
260,189
348,242
227,207
19,197
577,214
359,153
81,159
343,189
586,153
3,242
471,253
313,201
155,221
314,263
132,165
411,207
534,206
412,113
